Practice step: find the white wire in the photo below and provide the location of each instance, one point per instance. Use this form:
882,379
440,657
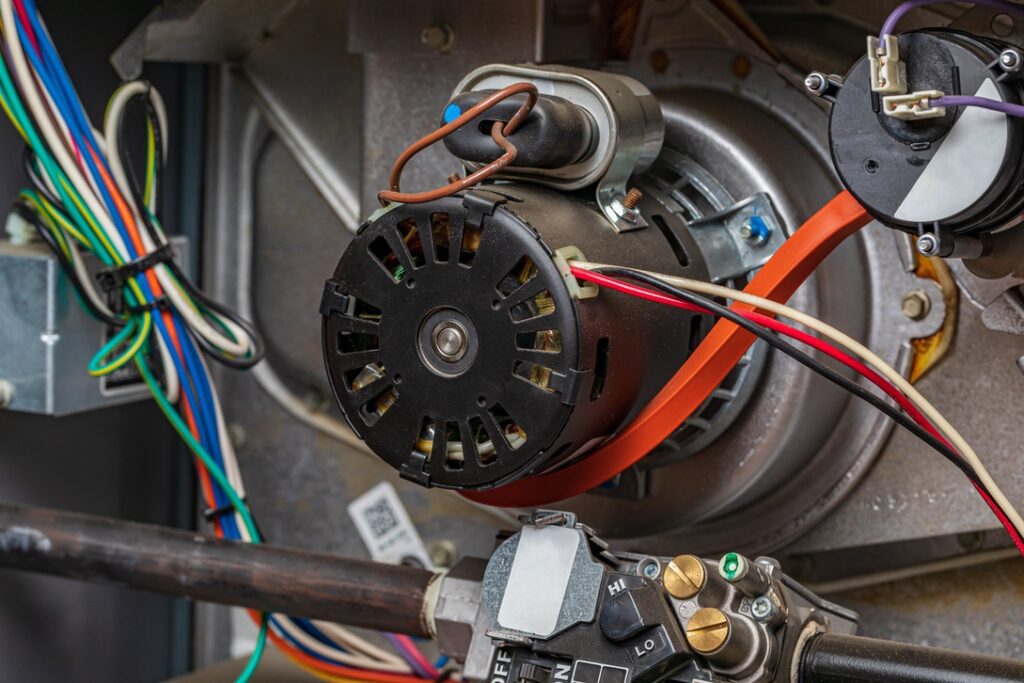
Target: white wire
353,642
193,318
60,143
42,119
360,661
171,380
852,345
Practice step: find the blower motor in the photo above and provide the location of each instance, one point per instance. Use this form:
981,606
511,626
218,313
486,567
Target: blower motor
458,344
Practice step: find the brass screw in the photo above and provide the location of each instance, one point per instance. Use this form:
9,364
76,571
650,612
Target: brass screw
633,198
454,178
684,577
707,630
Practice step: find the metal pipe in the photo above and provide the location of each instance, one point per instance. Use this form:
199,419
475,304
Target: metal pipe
261,577
831,658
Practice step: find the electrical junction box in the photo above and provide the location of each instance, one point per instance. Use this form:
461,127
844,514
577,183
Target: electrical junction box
47,338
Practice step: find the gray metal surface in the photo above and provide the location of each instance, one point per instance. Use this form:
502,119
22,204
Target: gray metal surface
301,480
48,338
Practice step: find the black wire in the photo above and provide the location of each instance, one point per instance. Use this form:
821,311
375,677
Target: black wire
805,359
154,233
28,161
27,213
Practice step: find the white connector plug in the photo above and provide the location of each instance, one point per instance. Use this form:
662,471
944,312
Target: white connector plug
888,73
914,106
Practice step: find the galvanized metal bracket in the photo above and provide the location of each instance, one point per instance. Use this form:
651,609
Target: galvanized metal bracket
742,237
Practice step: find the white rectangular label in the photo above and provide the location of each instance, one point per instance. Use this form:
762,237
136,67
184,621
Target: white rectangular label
385,527
540,574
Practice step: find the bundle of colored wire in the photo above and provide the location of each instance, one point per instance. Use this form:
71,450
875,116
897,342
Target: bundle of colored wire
919,416
86,197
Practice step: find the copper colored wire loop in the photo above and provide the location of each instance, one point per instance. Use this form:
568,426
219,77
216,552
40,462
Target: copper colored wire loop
499,130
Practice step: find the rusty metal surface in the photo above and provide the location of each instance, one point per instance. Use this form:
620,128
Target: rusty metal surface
976,609
263,577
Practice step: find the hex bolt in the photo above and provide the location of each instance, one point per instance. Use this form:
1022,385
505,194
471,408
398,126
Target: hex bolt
6,393
707,631
684,577
763,609
442,553
928,245
649,568
1011,60
633,198
916,305
816,83
755,231
440,37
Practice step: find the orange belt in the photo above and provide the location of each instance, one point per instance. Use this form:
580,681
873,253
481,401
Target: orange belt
703,371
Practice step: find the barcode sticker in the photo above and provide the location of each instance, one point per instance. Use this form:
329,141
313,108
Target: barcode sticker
386,528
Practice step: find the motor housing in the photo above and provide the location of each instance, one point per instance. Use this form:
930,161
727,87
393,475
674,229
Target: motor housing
462,351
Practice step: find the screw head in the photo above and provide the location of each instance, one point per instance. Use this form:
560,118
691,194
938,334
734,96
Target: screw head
442,553
450,340
1010,60
707,631
650,568
763,609
755,231
684,577
916,305
928,245
440,37
816,83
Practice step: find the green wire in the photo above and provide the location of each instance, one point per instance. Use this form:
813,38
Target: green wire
87,223
257,652
218,475
96,365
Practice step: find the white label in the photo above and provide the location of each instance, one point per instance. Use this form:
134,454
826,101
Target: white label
536,585
964,166
385,527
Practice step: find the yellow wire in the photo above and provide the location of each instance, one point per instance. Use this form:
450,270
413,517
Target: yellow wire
150,161
140,339
58,234
10,115
64,222
92,224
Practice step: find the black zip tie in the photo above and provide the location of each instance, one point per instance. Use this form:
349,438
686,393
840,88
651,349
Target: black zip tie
114,277
228,508
159,303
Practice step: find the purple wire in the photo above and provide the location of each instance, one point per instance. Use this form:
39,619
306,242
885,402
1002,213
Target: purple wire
985,103
890,23
417,663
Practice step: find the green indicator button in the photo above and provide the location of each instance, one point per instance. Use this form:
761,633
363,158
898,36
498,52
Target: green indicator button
732,567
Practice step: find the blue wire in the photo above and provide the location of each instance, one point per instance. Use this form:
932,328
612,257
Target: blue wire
195,384
61,74
311,630
79,131
303,648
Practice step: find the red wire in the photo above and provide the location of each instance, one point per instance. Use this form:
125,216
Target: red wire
816,343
